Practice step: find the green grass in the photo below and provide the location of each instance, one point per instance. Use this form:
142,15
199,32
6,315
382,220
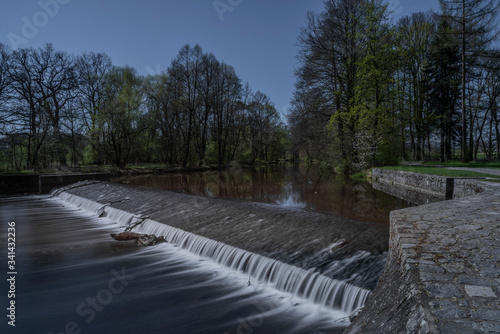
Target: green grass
360,176
440,171
472,164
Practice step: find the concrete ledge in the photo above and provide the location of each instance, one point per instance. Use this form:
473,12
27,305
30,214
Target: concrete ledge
49,182
19,184
443,269
43,184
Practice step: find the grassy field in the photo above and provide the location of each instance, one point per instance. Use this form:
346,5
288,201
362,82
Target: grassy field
472,164
441,171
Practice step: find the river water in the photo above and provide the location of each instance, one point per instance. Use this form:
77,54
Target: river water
73,278
291,185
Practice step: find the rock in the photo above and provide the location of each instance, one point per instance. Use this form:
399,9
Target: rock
140,239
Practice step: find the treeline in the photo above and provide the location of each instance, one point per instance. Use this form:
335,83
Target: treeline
370,92
58,109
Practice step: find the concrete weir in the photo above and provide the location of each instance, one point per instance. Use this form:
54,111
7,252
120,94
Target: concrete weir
443,269
323,258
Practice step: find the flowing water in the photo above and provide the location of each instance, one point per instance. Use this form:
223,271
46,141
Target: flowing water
73,278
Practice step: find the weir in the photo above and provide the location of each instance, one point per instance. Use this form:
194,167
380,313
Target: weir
316,283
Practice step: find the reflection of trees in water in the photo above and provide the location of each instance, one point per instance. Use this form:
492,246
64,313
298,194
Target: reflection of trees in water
294,185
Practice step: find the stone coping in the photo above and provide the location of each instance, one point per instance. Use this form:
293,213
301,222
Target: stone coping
443,269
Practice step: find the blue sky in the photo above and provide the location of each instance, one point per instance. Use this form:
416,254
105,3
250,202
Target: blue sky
257,37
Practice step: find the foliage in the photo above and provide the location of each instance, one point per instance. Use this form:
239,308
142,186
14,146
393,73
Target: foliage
55,108
371,93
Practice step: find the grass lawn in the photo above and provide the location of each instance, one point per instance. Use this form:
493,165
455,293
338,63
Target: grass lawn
472,164
440,171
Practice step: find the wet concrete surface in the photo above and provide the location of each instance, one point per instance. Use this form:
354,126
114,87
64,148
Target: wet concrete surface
342,248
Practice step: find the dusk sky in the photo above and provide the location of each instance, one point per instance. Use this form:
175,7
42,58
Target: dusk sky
258,38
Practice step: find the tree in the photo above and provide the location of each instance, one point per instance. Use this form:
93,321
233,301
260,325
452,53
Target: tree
415,35
122,114
444,72
55,106
185,72
55,79
28,120
93,69
345,78
5,86
474,22
371,110
263,124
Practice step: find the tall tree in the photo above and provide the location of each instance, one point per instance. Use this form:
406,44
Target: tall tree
28,119
93,69
5,86
263,124
123,112
56,80
186,71
225,129
475,24
444,72
414,41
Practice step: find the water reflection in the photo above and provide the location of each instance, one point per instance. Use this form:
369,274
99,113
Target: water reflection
292,185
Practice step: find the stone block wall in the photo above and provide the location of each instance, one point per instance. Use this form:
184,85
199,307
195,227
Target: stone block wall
429,184
405,184
442,273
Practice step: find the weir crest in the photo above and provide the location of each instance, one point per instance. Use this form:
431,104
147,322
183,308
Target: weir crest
307,284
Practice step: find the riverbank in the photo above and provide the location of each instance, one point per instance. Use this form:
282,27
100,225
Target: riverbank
443,268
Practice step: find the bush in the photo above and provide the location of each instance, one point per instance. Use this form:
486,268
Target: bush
388,155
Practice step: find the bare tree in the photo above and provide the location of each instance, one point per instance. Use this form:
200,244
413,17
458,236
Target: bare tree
93,69
122,116
475,22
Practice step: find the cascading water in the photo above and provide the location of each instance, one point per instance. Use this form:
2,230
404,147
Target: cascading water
307,284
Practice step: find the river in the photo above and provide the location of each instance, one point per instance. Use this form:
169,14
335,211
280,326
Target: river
73,278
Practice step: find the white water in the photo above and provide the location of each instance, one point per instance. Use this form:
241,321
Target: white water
309,285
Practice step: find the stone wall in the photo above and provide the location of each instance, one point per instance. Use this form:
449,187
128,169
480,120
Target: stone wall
432,188
428,184
410,195
443,270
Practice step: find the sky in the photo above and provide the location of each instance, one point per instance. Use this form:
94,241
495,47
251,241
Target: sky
257,37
